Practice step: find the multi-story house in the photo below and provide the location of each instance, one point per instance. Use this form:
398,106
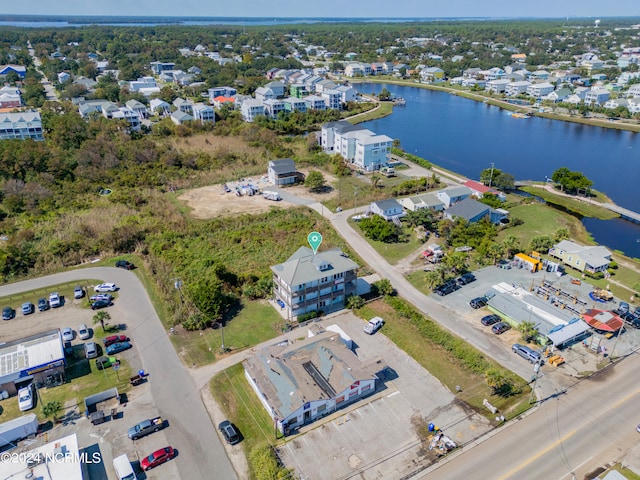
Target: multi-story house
273,107
497,86
333,99
538,90
597,96
517,88
265,93
308,282
183,105
293,104
21,126
221,92
251,109
316,102
204,113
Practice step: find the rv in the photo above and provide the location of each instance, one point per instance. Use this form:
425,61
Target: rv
270,195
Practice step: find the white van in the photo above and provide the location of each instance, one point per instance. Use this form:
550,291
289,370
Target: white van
123,468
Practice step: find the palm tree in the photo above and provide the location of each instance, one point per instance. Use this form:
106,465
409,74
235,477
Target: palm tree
496,250
510,245
375,180
101,317
456,262
51,409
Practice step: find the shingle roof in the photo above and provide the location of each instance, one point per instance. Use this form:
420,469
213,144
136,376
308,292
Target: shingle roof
468,209
301,267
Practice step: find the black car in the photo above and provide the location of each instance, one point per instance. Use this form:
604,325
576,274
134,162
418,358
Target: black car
445,289
125,264
631,319
466,279
229,432
43,304
8,313
489,320
500,328
478,302
100,304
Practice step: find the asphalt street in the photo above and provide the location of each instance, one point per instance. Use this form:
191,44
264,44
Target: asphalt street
175,394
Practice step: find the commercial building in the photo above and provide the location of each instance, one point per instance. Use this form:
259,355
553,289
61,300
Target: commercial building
37,358
301,382
308,282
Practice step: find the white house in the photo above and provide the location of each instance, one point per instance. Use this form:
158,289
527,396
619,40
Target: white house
538,90
183,105
21,126
157,105
332,98
137,107
387,209
252,108
349,94
204,113
597,96
517,88
273,107
451,195
265,93
497,86
426,200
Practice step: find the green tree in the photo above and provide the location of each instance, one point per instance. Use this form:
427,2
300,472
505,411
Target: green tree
379,229
511,245
571,182
498,382
456,262
354,302
541,243
561,234
504,181
384,94
488,175
315,181
528,330
384,287
210,298
101,317
376,178
51,410
421,217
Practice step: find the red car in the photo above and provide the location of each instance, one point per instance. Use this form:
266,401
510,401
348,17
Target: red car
157,458
114,339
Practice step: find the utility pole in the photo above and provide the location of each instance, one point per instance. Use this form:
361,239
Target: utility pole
536,371
491,177
355,198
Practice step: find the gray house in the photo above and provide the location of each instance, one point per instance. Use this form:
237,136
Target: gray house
283,172
473,211
387,209
306,281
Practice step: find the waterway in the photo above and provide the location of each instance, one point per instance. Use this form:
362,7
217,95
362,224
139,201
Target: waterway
466,137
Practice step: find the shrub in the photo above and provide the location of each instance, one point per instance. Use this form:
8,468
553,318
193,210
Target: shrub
309,316
354,302
265,465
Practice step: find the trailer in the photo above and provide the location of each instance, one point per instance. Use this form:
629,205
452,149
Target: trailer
18,429
271,195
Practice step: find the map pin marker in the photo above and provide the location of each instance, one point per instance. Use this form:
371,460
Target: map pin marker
314,239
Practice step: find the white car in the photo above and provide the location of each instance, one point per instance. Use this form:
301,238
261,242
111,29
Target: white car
106,287
373,325
67,334
83,332
25,398
90,350
54,300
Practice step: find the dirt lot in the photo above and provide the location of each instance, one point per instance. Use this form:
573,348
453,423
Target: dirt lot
212,201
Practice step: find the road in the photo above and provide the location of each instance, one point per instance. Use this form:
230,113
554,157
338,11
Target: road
568,437
175,394
50,92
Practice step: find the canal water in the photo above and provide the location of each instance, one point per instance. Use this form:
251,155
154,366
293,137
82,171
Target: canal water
466,136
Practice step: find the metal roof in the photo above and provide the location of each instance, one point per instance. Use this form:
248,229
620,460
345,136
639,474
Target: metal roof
30,352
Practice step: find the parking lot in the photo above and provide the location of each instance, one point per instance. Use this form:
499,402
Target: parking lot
109,438
377,437
578,359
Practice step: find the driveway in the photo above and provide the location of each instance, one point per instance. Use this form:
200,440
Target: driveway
173,390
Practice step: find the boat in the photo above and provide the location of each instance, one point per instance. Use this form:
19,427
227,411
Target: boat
399,101
521,115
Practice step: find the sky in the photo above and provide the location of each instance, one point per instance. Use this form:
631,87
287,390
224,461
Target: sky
328,8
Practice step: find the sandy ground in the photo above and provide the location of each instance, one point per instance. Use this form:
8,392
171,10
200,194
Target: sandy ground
212,201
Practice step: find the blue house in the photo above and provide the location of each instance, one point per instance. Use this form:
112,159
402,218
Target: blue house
19,69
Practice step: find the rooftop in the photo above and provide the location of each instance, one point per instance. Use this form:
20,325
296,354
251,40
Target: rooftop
303,266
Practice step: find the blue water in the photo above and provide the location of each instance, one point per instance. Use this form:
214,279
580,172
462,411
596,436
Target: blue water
467,136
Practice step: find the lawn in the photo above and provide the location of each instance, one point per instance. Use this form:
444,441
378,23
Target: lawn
240,405
83,380
393,252
540,219
437,361
250,324
577,206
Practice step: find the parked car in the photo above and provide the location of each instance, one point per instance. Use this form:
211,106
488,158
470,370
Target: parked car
83,332
500,328
631,319
54,300
101,296
118,347
489,320
530,355
25,398
229,432
478,302
104,362
111,339
28,308
43,304
67,334
623,307
78,292
466,279
106,287
373,325
8,313
98,304
157,458
125,264
91,350
504,264
446,288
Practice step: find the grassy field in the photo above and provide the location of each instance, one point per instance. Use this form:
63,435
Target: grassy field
384,109
83,380
437,361
252,323
393,252
540,219
577,206
240,405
